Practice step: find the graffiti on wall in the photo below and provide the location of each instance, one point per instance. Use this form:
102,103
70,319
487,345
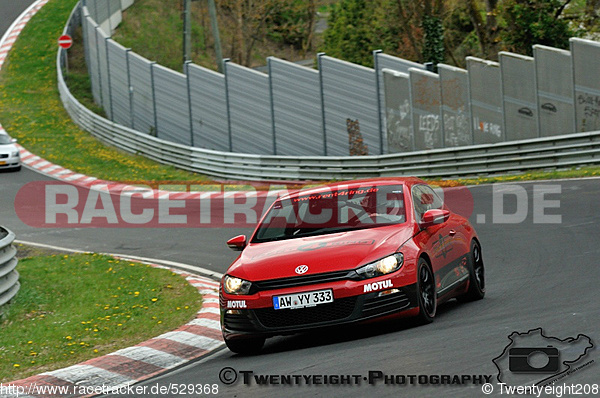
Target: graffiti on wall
399,135
429,129
355,138
490,128
456,128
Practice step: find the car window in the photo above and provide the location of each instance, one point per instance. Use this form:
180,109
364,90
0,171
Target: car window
5,140
425,198
341,209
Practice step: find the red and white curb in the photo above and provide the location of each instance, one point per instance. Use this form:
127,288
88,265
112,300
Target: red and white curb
15,29
52,170
143,361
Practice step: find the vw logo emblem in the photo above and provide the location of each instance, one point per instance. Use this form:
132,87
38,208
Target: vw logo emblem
301,269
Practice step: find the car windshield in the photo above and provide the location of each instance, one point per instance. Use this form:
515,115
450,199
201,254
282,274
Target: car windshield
336,210
5,140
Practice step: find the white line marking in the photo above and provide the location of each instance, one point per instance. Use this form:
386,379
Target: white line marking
208,323
192,339
88,376
150,355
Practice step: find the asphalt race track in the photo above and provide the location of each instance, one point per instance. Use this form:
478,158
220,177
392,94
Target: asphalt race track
9,11
539,275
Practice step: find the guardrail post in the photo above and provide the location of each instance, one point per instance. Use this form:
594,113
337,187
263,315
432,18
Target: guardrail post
129,90
230,138
377,89
186,67
154,98
503,139
96,11
320,64
99,66
575,122
110,99
84,32
537,92
110,15
272,106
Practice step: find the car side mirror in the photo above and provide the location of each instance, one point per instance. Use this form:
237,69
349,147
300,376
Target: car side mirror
237,243
434,217
13,140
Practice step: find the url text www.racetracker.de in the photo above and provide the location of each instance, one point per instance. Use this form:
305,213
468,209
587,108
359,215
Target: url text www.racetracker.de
229,376
169,390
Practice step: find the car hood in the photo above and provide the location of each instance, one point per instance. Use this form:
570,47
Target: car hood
8,148
323,253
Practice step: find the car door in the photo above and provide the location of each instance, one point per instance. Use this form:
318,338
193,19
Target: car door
442,242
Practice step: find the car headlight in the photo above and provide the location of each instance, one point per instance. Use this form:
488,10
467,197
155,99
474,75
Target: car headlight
15,153
384,266
233,285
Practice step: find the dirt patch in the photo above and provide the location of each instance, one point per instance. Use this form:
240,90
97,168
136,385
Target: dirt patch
24,251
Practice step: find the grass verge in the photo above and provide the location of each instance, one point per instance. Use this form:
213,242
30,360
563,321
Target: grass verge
31,110
531,175
73,307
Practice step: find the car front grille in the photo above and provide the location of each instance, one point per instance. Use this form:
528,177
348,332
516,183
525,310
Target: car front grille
379,305
3,155
239,322
302,280
336,311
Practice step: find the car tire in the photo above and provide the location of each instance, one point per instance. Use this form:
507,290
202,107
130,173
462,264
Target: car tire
426,292
18,168
476,275
246,346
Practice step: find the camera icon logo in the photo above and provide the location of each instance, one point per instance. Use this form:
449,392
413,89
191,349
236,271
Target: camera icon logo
526,360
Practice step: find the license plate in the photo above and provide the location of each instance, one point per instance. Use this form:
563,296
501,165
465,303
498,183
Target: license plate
2,162
301,300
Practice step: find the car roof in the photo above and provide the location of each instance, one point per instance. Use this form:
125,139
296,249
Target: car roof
353,184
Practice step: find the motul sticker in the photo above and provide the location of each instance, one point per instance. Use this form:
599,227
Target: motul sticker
236,304
372,287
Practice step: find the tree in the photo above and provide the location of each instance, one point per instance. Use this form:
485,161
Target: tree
420,26
356,28
591,12
485,28
439,30
294,24
406,28
530,22
433,40
248,20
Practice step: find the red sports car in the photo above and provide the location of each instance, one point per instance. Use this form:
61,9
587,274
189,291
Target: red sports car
348,252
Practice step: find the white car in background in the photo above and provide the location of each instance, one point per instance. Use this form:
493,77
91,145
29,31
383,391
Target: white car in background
9,153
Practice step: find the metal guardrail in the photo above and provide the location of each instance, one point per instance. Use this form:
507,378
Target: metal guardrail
537,153
9,277
560,151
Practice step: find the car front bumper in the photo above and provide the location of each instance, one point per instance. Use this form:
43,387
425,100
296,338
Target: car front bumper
9,162
244,322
